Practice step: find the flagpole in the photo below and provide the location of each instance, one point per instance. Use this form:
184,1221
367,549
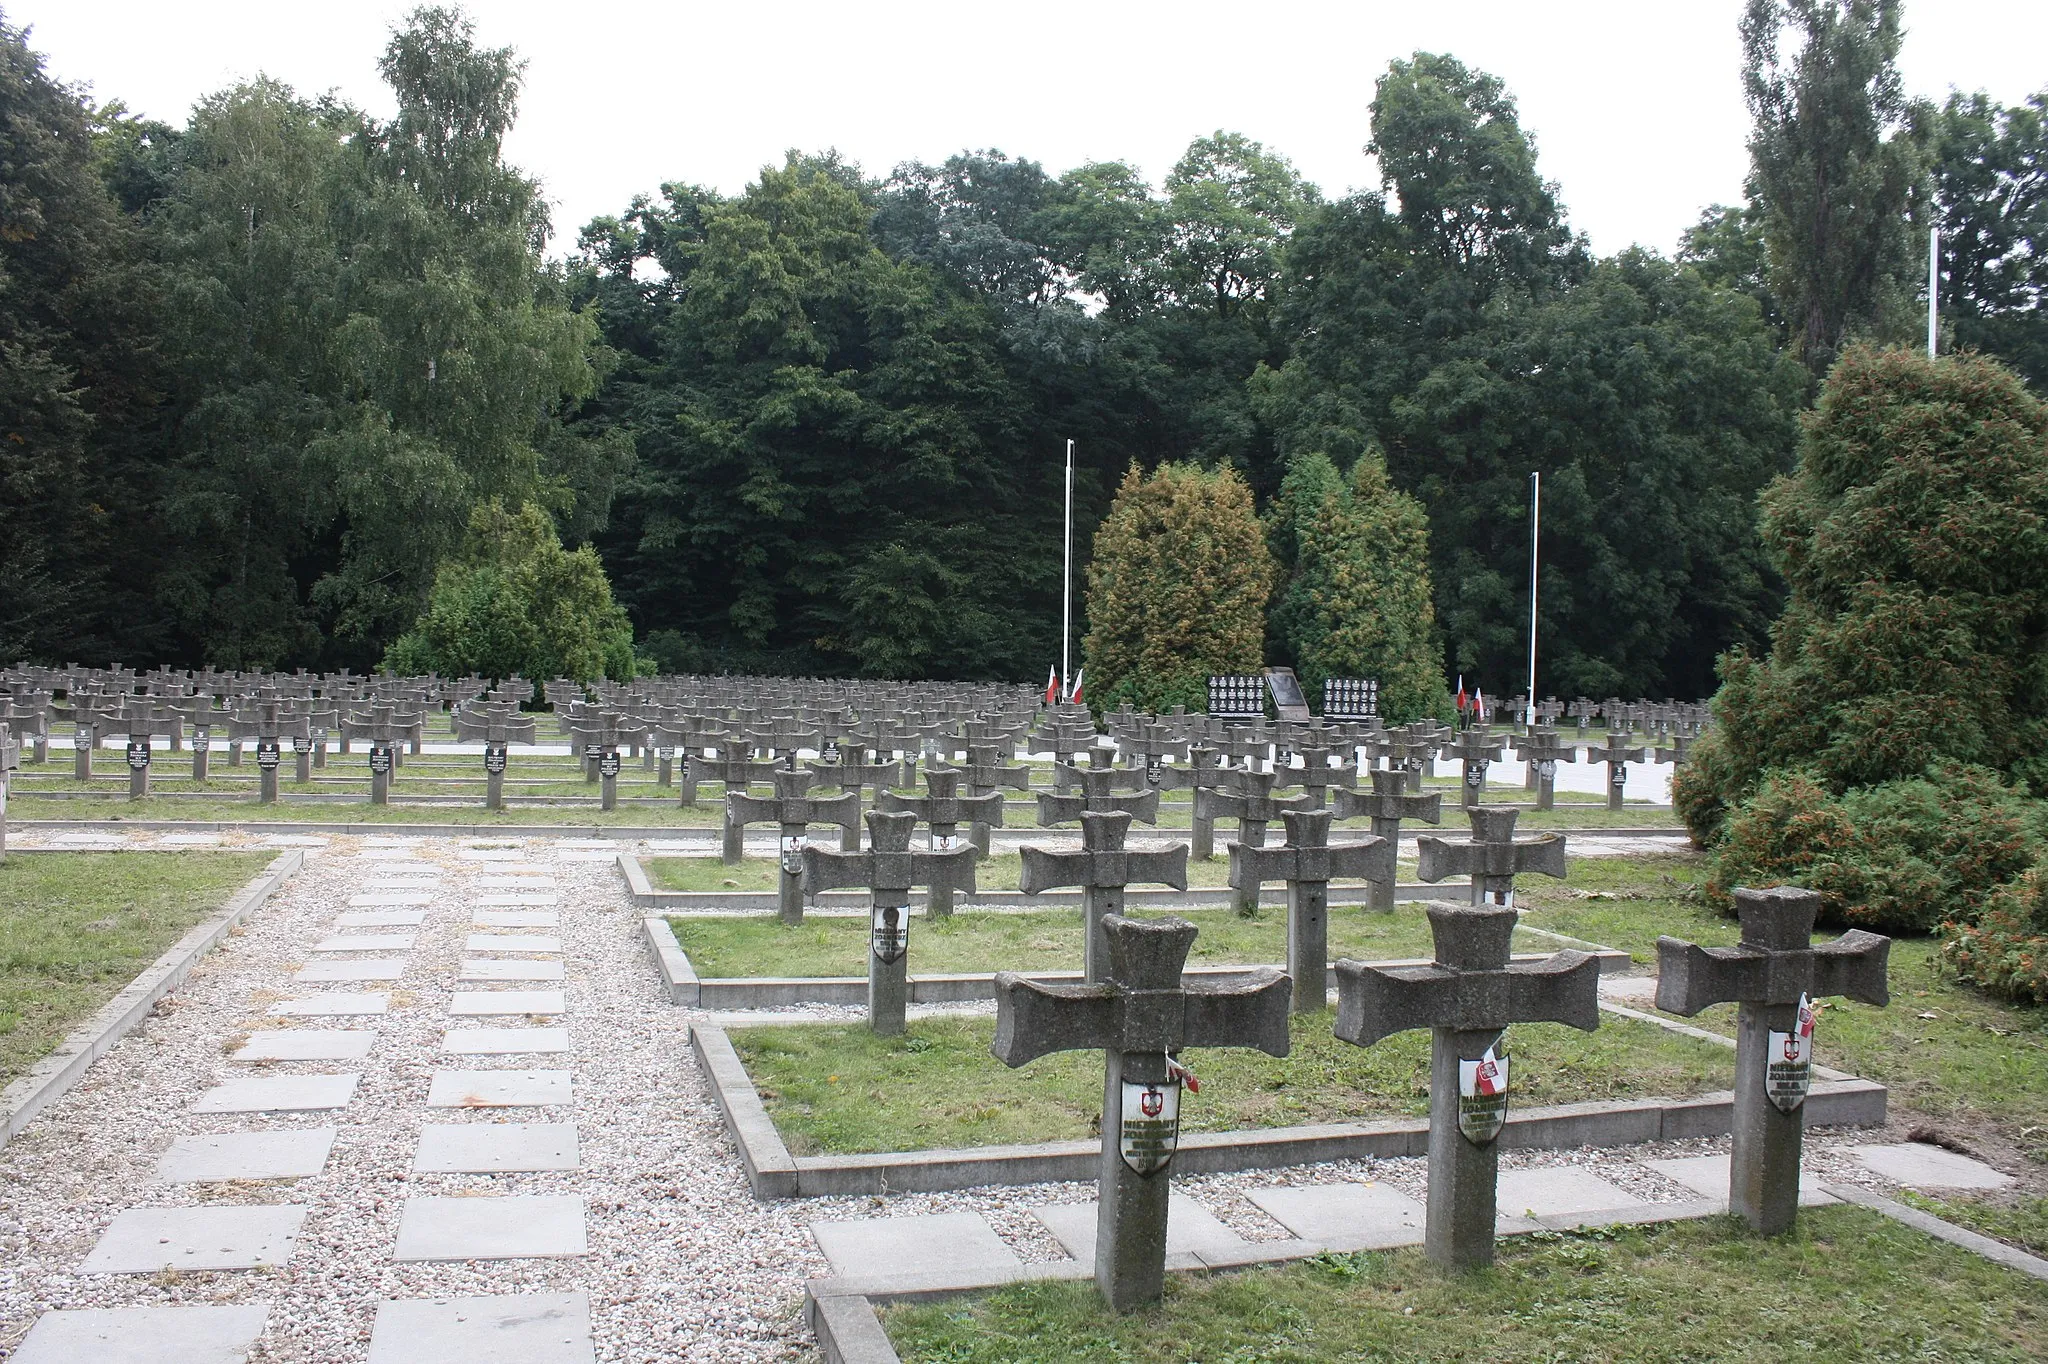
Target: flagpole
1535,522
1933,283
1067,582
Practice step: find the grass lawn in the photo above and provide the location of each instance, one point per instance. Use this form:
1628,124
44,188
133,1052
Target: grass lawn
1848,1286
835,1088
75,928
1046,940
1945,1050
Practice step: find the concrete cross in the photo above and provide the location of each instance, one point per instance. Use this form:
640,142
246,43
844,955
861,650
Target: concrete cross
28,715
382,726
1317,776
498,724
269,722
1410,754
1774,975
1679,753
1387,804
735,772
89,716
1475,749
1141,1015
986,774
888,869
1307,863
851,771
1617,755
10,760
1154,743
1582,710
1098,794
1102,867
794,809
606,731
945,810
1543,749
1466,998
141,721
1249,800
1491,857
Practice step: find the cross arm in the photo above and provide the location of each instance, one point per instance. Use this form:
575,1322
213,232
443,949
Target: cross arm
1249,865
1159,866
1691,978
828,869
1040,870
1562,988
986,809
842,810
1438,858
1854,965
1035,1019
748,809
1378,1001
1239,1013
947,870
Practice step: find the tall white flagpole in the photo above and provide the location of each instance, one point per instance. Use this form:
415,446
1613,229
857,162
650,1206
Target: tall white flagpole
1067,583
1535,522
1933,283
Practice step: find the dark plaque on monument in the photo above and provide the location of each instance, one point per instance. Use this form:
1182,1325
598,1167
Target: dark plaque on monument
494,758
267,753
608,765
138,754
1287,698
380,759
830,752
302,743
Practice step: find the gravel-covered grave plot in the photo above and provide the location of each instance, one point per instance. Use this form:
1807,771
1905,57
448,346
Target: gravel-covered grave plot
680,1262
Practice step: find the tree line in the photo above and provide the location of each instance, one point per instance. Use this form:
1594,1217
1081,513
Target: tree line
268,380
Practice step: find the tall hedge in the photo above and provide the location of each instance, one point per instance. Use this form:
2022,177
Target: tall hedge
1878,752
1177,589
1357,599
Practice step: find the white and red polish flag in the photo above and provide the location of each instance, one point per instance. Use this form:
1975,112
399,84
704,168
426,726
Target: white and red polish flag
1052,685
1074,697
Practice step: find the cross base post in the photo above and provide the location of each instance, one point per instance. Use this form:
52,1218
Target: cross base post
735,844
266,785
1763,1169
1130,1219
138,781
302,771
494,790
1097,901
789,885
1546,782
1308,944
1251,833
1617,782
1475,783
81,753
1458,1230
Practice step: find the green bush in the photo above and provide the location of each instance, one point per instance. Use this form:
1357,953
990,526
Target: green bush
515,602
1177,589
1914,537
2006,950
1901,857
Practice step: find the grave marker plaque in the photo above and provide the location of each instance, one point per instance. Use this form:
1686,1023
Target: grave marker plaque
1351,698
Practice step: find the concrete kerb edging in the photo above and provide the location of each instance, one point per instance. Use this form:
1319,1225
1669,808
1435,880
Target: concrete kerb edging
774,1173
678,977
841,1311
51,1077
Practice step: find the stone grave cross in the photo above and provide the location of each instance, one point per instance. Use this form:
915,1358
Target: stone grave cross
1387,804
1774,976
888,869
269,724
141,721
606,731
1307,863
1474,749
1543,749
1467,998
1141,1015
1582,710
1617,755
945,810
1154,743
736,772
499,725
1098,793
1491,857
850,771
1102,867
986,774
10,760
1248,799
794,809
384,729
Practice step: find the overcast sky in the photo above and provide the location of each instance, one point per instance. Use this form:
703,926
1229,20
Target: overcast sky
1635,106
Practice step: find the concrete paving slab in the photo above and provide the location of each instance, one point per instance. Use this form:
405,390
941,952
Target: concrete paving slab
1920,1166
536,878
515,918
517,1328
485,1003
504,1041
511,942
1708,1177
498,1088
372,968
144,1335
279,1094
149,1240
307,1044
585,855
294,841
492,855
424,884
527,1226
390,899
951,1241
333,1005
1629,989
511,899
381,918
484,968
365,942
1558,1191
1190,1228
495,1147
246,1155
1352,1216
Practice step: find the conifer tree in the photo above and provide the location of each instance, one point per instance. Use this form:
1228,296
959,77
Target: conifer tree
1177,589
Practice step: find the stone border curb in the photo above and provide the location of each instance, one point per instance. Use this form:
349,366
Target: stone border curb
770,1170
2033,1266
66,1065
774,1173
678,977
